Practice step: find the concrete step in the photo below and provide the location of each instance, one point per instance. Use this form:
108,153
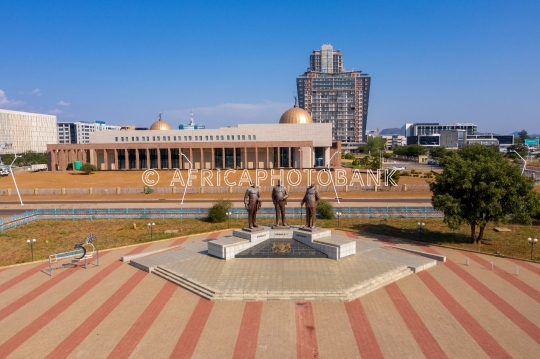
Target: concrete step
378,282
196,288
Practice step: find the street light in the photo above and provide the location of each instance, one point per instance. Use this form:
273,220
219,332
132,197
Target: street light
151,226
32,242
524,162
12,176
532,242
229,214
338,214
421,227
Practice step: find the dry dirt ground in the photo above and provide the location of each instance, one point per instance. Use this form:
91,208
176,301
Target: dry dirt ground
133,179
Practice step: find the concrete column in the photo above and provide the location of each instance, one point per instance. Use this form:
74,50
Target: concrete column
169,158
290,159
158,158
245,159
105,159
256,157
51,160
126,158
213,154
116,159
63,160
267,158
191,156
202,158
234,157
148,166
223,157
278,157
137,163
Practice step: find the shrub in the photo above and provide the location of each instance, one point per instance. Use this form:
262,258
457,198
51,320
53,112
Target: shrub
88,168
148,190
325,210
218,212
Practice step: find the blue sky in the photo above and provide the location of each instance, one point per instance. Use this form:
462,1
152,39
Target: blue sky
234,62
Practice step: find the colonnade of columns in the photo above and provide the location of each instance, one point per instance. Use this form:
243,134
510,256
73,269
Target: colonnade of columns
174,157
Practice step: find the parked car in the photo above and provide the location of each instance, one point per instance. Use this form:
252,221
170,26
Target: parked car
4,172
396,168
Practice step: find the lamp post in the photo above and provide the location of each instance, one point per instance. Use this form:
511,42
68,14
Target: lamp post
421,227
524,162
13,177
532,242
151,226
32,242
338,214
229,214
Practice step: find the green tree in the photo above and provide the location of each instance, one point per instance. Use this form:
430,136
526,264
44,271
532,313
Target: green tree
438,152
373,145
523,135
410,150
325,210
88,168
218,212
478,186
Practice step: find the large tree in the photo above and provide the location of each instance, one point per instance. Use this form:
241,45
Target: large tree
373,146
478,186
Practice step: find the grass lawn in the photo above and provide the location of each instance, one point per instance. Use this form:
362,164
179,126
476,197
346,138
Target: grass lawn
54,236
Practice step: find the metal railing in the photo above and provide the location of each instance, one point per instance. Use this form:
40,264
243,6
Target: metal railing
192,190
181,213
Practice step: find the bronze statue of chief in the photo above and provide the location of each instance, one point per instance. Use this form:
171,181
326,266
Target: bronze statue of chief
279,198
310,200
252,201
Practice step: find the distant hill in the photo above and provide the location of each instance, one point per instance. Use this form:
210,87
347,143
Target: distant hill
393,131
533,135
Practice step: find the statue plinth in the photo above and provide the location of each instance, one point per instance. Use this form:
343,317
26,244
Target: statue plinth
281,227
254,229
311,230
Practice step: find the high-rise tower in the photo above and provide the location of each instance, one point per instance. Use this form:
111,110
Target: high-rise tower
332,95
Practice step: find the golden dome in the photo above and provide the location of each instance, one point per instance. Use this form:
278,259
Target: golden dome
160,125
296,115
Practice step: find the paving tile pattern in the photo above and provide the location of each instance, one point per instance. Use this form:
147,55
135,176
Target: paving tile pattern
118,311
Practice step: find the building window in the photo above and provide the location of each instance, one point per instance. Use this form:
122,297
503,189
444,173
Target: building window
174,138
132,139
153,138
238,137
158,138
190,138
254,137
227,137
243,137
168,138
211,138
249,137
185,138
122,139
222,138
206,138
137,139
116,139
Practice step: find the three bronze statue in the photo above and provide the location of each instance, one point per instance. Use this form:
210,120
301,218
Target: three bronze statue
252,202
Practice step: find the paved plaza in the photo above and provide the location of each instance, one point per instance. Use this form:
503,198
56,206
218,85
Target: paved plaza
118,311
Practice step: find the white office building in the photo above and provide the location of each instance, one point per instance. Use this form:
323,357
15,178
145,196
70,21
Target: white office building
79,132
26,131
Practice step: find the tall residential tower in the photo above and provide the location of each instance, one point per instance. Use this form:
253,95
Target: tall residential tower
332,95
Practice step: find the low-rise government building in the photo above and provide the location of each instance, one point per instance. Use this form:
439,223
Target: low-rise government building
296,142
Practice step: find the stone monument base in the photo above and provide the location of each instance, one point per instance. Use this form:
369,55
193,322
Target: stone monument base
280,227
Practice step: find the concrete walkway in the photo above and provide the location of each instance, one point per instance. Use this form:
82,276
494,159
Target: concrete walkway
117,311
